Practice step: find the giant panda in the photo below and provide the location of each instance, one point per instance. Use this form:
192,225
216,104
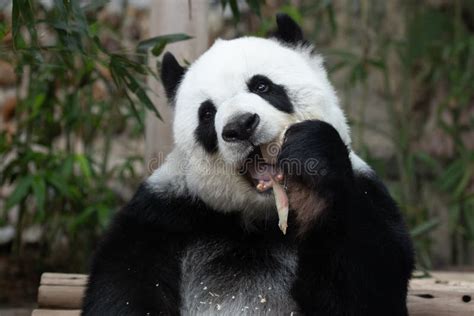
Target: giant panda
197,238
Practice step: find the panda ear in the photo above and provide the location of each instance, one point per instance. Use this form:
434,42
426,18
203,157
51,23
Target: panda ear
171,74
288,31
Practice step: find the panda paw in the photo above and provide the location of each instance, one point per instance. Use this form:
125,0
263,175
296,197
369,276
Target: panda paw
314,154
316,167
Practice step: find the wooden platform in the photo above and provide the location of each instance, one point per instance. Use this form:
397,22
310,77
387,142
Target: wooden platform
445,294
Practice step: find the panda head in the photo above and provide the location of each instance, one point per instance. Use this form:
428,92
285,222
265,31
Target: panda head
238,95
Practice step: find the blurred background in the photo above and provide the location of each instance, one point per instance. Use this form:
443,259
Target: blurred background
83,117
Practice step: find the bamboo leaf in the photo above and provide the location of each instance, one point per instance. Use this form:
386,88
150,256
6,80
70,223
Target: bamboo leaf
103,214
67,166
255,6
158,48
58,183
161,41
376,63
82,218
463,183
424,228
223,4
21,191
428,160
332,17
94,5
84,165
135,88
39,191
234,7
451,176
22,15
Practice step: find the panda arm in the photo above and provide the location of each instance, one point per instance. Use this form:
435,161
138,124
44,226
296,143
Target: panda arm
355,255
135,270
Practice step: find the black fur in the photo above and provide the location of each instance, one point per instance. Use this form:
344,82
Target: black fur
288,31
326,162
355,260
358,257
171,75
206,132
274,94
136,268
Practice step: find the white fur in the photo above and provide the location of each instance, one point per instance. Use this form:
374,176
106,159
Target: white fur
359,165
171,176
208,290
220,75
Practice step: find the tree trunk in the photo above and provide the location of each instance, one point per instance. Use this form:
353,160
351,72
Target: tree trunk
171,16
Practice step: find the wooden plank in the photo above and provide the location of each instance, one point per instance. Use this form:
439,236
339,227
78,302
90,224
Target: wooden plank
440,306
427,297
434,297
453,276
56,275
12,311
60,296
457,287
63,279
56,312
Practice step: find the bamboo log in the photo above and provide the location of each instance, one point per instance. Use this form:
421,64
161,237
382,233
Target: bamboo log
56,312
63,279
435,297
453,276
59,290
60,296
439,296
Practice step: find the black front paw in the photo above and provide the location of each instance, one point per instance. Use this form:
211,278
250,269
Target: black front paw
313,153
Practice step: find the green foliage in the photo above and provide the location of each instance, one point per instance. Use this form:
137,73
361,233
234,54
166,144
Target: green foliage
61,176
74,96
158,43
434,53
254,5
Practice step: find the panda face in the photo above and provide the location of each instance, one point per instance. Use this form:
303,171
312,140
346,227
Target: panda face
237,96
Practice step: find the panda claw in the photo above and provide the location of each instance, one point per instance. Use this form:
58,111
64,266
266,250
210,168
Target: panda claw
279,177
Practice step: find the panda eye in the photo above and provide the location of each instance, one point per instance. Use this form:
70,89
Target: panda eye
206,112
207,115
262,87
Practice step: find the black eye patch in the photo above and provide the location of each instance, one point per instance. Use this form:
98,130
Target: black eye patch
273,93
206,132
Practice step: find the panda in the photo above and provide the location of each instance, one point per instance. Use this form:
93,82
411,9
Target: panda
197,238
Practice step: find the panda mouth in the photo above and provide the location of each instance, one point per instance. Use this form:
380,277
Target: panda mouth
258,172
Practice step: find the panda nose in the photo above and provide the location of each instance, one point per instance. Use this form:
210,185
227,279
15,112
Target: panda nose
241,127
